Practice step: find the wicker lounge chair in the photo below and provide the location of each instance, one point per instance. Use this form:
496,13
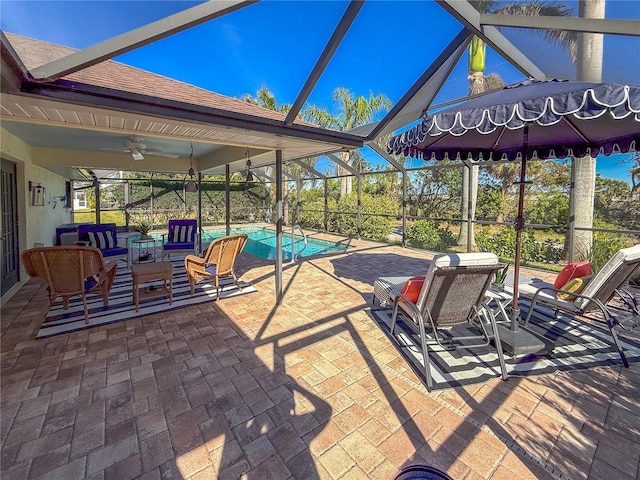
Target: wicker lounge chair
182,238
71,271
217,262
596,296
452,295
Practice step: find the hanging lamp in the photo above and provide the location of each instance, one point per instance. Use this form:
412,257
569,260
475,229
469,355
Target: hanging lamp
248,163
191,186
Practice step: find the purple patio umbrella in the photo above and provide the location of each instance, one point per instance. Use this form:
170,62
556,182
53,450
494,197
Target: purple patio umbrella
533,119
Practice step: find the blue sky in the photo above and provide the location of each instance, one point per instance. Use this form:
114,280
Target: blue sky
276,43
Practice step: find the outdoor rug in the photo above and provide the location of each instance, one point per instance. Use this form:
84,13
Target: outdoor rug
121,307
577,346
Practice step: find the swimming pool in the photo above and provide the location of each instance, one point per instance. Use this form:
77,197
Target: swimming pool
262,242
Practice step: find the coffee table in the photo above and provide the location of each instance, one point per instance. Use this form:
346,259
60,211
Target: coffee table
149,272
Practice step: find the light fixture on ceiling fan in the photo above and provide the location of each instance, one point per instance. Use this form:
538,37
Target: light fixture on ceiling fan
136,155
138,150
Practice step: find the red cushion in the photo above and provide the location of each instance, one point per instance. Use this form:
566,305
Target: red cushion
573,270
411,289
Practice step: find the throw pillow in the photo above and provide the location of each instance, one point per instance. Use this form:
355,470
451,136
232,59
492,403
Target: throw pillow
411,288
573,270
575,285
102,240
182,233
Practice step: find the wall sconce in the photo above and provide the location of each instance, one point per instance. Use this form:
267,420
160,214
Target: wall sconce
37,194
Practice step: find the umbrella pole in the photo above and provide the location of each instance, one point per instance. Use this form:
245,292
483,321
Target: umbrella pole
519,225
515,340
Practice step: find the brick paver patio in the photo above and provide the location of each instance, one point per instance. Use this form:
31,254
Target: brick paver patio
311,389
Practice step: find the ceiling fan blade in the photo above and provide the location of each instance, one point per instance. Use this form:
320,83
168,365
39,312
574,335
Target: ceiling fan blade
158,153
136,155
121,150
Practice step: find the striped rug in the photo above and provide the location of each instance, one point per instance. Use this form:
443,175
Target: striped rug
121,307
577,346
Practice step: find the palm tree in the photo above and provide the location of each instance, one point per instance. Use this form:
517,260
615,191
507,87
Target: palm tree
351,112
266,99
634,171
589,69
479,83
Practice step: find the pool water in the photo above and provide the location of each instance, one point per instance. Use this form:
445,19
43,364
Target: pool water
262,243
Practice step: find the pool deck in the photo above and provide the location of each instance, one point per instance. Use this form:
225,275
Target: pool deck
310,389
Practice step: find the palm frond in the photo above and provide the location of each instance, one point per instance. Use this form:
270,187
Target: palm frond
567,40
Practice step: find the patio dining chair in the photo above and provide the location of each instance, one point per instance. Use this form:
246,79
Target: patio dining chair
596,296
218,262
452,296
182,238
71,271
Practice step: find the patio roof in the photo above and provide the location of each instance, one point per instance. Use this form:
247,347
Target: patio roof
104,106
73,102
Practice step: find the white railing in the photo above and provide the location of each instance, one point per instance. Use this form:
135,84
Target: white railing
294,256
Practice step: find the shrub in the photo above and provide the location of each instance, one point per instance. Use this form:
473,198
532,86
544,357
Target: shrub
606,244
373,225
503,244
428,235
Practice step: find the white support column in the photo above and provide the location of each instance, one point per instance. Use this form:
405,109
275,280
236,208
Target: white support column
199,212
278,272
404,208
227,199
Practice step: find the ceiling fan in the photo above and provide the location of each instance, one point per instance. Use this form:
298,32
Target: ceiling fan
137,149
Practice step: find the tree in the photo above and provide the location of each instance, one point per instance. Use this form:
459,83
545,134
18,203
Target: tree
634,171
351,112
479,84
265,99
589,69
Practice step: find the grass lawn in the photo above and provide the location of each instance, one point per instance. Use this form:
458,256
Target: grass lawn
81,216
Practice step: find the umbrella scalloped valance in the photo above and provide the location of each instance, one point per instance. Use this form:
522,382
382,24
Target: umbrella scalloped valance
585,118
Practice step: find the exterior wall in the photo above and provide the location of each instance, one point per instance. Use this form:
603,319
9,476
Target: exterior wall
36,224
80,200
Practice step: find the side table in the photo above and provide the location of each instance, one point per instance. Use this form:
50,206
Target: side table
148,272
143,250
502,301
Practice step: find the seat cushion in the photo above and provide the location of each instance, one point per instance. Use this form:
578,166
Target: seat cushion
112,252
548,297
630,255
571,271
210,269
464,259
179,246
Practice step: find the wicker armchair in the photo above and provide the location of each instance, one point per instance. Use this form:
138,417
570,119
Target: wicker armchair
217,262
71,271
